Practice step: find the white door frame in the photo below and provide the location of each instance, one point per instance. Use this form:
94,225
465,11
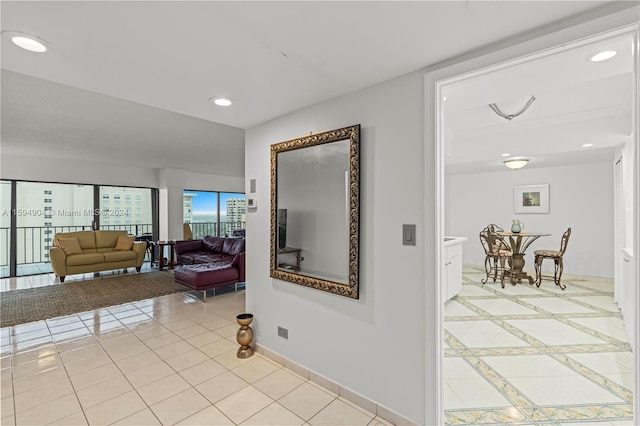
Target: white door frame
434,168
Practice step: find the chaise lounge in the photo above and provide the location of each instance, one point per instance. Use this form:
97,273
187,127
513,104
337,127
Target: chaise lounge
210,263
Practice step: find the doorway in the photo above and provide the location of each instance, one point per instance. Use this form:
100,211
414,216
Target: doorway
455,79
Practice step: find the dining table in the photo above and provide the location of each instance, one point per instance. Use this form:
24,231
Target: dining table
518,243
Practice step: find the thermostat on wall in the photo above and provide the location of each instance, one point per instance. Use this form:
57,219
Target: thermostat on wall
252,203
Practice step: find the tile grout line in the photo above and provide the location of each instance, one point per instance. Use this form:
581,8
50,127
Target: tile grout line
591,375
518,400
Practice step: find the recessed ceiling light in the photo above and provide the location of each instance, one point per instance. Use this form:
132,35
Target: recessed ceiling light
506,154
587,145
220,101
28,42
603,56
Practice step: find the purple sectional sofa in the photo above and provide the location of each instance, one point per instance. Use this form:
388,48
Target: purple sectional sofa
210,262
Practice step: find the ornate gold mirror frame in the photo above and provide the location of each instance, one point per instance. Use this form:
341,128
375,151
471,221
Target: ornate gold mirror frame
317,147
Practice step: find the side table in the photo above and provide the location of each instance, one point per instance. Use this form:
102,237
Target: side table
172,254
296,252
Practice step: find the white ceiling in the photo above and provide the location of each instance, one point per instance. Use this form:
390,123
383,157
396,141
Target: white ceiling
577,102
129,82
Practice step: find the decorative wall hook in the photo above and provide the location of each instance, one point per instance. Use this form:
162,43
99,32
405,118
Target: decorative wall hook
509,117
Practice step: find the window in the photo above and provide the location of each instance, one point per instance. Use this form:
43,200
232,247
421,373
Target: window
214,213
41,217
34,225
5,227
135,219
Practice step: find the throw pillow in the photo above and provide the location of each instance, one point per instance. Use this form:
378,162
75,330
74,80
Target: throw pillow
124,243
69,246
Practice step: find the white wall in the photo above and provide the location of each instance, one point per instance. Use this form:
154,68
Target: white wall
580,197
102,173
373,345
36,168
213,182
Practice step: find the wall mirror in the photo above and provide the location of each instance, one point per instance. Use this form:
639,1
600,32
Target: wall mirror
315,211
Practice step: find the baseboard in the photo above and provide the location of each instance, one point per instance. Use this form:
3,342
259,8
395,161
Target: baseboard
351,396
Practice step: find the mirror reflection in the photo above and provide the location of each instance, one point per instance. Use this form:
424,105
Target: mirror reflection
315,211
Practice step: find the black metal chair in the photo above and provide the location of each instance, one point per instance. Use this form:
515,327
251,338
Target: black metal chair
148,238
557,259
497,253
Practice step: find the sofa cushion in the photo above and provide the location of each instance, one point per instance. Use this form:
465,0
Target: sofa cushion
188,245
202,256
233,246
213,243
205,275
236,259
84,259
124,243
87,239
120,255
69,245
108,238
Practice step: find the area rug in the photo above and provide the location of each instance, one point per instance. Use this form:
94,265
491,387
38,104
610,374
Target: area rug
34,304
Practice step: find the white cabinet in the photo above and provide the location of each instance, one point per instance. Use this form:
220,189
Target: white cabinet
452,267
629,295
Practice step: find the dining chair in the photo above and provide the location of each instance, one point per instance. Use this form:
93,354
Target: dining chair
497,253
557,256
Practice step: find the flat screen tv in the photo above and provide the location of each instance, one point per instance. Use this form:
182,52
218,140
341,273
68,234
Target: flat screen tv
282,228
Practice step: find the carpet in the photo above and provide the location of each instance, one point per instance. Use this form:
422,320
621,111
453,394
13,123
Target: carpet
34,304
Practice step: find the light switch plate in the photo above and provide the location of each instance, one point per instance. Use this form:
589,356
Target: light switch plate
408,235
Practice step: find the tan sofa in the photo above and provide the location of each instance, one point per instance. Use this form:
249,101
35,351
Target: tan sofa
93,251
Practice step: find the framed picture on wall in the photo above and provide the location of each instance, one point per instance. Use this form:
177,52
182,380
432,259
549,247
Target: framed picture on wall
531,198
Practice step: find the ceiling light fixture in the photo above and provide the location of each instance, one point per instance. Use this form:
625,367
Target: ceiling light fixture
587,145
603,56
509,117
28,42
506,154
220,101
516,163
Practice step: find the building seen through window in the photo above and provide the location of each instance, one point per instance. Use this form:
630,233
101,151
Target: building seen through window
214,213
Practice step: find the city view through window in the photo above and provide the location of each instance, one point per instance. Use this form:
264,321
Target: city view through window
44,209
214,213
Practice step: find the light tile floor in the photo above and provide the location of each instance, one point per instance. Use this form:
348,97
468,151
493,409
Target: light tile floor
536,356
163,361
519,355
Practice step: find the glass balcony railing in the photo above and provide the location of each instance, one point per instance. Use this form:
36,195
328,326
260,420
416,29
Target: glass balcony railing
202,229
